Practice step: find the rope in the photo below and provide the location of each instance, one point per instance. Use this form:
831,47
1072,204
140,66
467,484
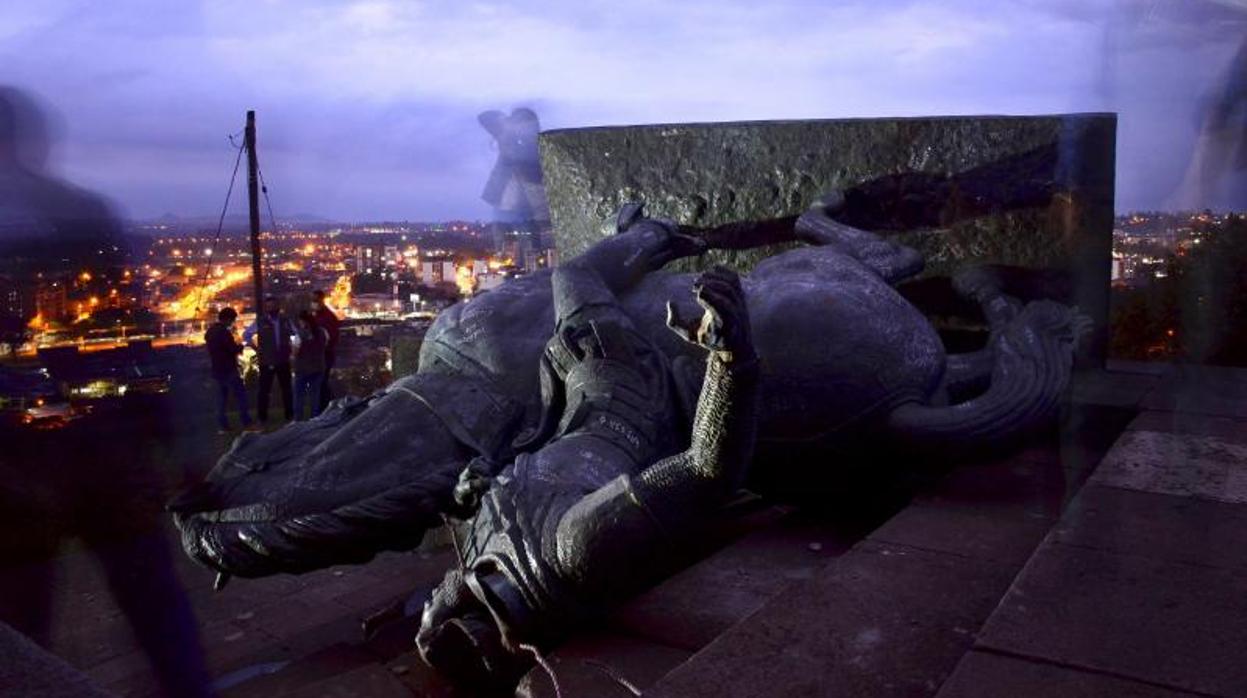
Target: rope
541,662
219,225
531,649
606,669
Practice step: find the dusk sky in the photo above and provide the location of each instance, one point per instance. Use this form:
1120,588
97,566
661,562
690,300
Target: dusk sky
367,110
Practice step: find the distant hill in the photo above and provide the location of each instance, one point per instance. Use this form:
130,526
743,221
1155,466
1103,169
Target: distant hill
233,223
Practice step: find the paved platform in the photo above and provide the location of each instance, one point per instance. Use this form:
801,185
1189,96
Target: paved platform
1106,560
1139,589
1094,566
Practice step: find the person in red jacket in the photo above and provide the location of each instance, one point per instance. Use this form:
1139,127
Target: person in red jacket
327,320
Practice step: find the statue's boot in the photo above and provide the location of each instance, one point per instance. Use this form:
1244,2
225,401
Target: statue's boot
460,639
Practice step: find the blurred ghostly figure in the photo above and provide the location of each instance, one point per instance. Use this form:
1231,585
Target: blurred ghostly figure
94,479
515,189
1217,174
46,223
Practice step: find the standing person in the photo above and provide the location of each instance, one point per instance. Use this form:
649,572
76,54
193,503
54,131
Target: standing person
110,501
223,349
272,333
309,365
329,322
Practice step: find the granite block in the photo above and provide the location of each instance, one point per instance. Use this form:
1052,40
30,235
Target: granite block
1178,464
983,675
1163,622
881,620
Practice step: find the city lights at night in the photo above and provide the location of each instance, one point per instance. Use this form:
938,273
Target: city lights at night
710,349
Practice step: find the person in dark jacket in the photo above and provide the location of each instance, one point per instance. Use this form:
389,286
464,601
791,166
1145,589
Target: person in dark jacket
329,322
272,333
309,365
223,349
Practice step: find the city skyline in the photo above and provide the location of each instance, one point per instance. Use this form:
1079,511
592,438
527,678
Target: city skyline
367,109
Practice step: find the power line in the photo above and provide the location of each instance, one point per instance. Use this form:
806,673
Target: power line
220,224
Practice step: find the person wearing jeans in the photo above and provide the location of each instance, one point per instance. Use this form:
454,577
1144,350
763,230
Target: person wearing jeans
272,333
223,350
331,324
309,366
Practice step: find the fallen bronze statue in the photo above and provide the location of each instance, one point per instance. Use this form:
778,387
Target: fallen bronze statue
571,431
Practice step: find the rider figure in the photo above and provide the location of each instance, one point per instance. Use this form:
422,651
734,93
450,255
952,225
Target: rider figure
581,517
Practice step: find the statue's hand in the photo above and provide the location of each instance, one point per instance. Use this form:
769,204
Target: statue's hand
660,239
473,483
724,325
829,203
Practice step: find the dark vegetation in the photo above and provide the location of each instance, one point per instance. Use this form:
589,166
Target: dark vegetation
1197,312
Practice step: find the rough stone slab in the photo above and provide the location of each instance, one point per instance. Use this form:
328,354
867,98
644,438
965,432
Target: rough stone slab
708,174
1033,191
1161,526
1178,464
1007,540
1168,623
696,605
1224,428
602,665
881,620
981,674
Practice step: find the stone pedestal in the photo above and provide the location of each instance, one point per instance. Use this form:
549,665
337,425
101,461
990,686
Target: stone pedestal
1033,192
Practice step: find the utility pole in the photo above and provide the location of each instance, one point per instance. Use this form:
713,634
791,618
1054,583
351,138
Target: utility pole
253,191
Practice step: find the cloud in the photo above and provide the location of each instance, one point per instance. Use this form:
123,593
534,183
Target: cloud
368,107
675,57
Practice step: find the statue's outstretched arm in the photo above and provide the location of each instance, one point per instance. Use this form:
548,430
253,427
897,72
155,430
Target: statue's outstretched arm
817,227
744,235
891,260
611,535
641,245
492,121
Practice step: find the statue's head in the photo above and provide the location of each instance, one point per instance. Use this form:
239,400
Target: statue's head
524,115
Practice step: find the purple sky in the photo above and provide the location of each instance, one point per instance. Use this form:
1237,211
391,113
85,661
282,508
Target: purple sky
367,109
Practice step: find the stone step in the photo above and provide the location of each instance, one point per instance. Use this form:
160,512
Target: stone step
774,578
1138,590
895,613
761,553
